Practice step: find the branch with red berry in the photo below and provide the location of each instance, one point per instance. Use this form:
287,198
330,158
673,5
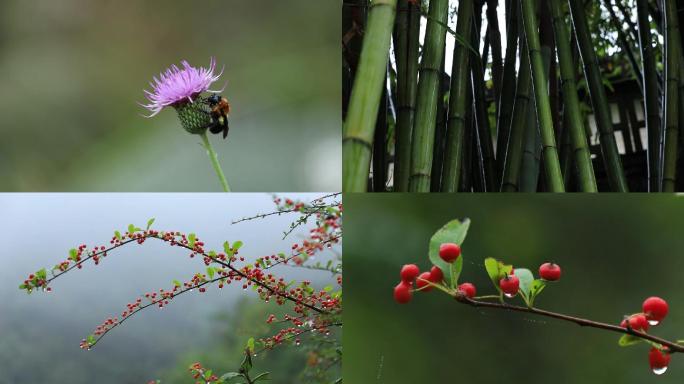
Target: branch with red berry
445,255
314,311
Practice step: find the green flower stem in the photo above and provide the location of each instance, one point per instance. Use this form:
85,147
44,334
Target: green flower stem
214,161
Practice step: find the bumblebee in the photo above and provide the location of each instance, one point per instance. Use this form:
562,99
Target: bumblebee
220,109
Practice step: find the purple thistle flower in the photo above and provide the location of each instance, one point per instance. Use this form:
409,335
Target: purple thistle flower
178,85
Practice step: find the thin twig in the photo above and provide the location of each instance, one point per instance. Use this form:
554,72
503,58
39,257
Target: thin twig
673,346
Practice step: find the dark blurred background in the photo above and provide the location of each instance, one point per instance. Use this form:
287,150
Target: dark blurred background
73,71
40,333
615,251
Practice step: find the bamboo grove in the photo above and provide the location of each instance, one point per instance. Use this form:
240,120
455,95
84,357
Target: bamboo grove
513,96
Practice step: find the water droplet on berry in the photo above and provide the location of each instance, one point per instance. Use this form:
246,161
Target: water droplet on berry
509,295
653,322
659,371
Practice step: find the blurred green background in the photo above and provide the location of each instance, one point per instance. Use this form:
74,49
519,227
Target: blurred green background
73,71
615,251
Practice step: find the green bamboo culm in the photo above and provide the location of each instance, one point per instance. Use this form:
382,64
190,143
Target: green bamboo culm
406,44
573,116
423,136
672,56
481,116
554,177
651,103
495,43
453,157
514,151
508,87
359,127
599,100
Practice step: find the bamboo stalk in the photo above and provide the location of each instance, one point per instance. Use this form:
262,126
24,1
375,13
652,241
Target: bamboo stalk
364,103
529,169
672,55
651,97
379,158
453,156
422,139
495,44
552,170
571,105
599,100
440,134
508,87
481,117
518,123
406,45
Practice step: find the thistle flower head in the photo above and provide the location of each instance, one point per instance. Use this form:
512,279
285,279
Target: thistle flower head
177,86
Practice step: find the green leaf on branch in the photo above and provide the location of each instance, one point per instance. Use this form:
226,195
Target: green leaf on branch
150,222
237,245
131,228
526,278
497,270
91,339
250,345
42,274
117,234
191,240
73,254
261,376
211,271
177,283
627,340
454,231
537,286
227,249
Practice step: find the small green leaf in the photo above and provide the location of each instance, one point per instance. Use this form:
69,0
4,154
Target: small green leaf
227,249
627,340
191,240
208,373
328,288
150,222
455,269
237,245
91,339
492,267
526,278
250,344
117,234
230,375
131,228
452,232
73,254
538,285
261,376
177,283
211,271
42,274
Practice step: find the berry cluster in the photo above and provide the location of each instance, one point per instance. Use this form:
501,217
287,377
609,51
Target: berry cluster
425,281
653,311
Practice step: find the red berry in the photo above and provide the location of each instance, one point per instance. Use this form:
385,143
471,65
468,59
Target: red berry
468,289
436,274
422,284
658,359
509,285
550,271
655,309
636,322
409,272
402,292
449,252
